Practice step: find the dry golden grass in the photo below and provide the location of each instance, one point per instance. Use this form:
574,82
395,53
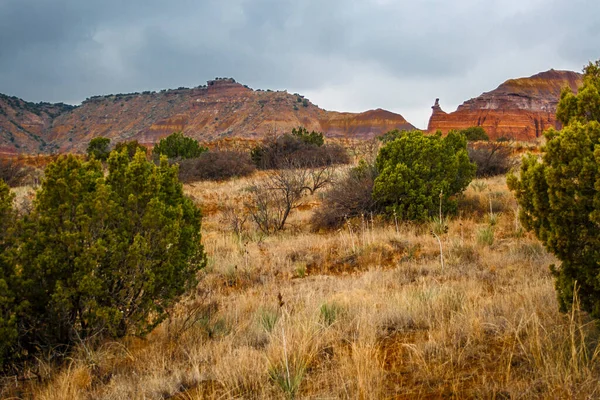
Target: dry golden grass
363,312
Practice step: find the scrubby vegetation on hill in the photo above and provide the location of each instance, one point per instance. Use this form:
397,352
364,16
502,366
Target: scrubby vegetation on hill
179,147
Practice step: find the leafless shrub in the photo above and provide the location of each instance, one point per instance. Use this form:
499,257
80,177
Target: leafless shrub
366,150
215,166
349,197
12,172
235,219
274,198
286,150
491,158
280,192
320,177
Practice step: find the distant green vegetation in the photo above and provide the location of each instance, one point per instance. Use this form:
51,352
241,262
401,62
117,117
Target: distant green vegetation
99,148
131,147
313,138
178,146
475,133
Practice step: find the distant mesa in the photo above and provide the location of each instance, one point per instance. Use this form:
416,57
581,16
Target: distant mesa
223,108
521,109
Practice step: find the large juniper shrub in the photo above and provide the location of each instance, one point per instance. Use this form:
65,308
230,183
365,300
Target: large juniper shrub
559,195
100,255
417,172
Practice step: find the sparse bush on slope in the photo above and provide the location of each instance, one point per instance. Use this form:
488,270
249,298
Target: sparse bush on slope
99,148
178,146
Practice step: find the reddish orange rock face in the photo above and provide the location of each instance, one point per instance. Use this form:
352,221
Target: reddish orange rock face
520,109
220,110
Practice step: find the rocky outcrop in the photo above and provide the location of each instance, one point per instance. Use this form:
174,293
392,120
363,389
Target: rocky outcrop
363,125
24,125
216,111
520,109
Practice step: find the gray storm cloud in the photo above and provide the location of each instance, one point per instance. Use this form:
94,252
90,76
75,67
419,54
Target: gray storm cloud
347,55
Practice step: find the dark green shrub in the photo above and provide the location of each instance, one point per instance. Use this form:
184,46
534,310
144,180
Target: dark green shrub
314,138
99,148
105,256
559,197
178,146
132,147
8,325
257,155
475,133
215,166
417,172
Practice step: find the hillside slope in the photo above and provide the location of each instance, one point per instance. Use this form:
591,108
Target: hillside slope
221,109
24,125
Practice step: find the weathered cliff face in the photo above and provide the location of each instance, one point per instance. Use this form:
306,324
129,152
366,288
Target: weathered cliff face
520,109
362,126
221,109
24,125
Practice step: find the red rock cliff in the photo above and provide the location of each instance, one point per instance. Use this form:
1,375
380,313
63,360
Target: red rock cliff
24,125
222,109
519,108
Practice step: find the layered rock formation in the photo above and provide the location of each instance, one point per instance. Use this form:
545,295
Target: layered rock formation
24,125
519,109
221,109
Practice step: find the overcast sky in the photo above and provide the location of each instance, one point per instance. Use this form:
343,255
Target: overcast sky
345,55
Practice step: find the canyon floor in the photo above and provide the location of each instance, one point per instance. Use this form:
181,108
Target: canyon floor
366,311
